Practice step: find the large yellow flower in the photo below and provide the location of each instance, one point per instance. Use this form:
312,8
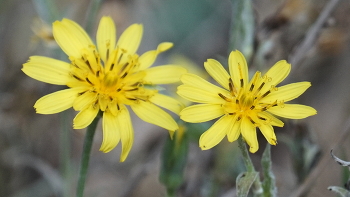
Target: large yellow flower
242,105
106,78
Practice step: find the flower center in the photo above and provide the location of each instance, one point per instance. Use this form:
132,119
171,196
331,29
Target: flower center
246,100
118,81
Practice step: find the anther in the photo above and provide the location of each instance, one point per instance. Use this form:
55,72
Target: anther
132,89
230,85
224,97
120,57
76,77
241,75
262,118
265,94
124,75
251,120
261,86
107,54
112,66
87,79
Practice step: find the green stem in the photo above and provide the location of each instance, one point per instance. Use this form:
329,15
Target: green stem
250,167
86,156
65,162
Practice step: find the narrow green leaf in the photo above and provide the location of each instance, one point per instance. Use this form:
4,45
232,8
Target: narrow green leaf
173,161
242,27
244,182
339,190
339,161
268,183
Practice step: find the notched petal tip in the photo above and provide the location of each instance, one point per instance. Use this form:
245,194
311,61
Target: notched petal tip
164,46
253,149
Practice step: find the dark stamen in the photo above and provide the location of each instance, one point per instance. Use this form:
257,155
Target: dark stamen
251,87
132,89
124,66
88,63
120,57
230,84
112,66
241,80
76,77
133,99
107,55
261,118
224,97
266,93
81,93
261,86
124,75
87,79
252,107
252,121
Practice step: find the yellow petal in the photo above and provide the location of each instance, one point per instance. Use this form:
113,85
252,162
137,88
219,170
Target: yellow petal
150,113
131,38
167,102
293,111
106,37
238,69
199,95
271,119
127,132
57,101
215,133
47,70
198,82
248,131
201,113
111,132
87,98
276,74
163,74
287,92
148,58
71,37
268,132
85,117
234,130
215,70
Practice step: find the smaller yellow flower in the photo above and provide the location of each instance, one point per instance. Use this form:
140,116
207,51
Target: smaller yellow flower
242,105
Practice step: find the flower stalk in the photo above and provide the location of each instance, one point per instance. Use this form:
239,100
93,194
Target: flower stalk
257,188
86,156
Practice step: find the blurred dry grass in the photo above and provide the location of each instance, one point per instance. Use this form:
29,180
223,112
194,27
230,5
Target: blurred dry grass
31,151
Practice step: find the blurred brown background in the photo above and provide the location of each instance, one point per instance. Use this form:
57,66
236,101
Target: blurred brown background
40,154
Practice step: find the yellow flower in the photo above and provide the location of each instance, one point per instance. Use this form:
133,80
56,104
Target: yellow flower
106,78
242,105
